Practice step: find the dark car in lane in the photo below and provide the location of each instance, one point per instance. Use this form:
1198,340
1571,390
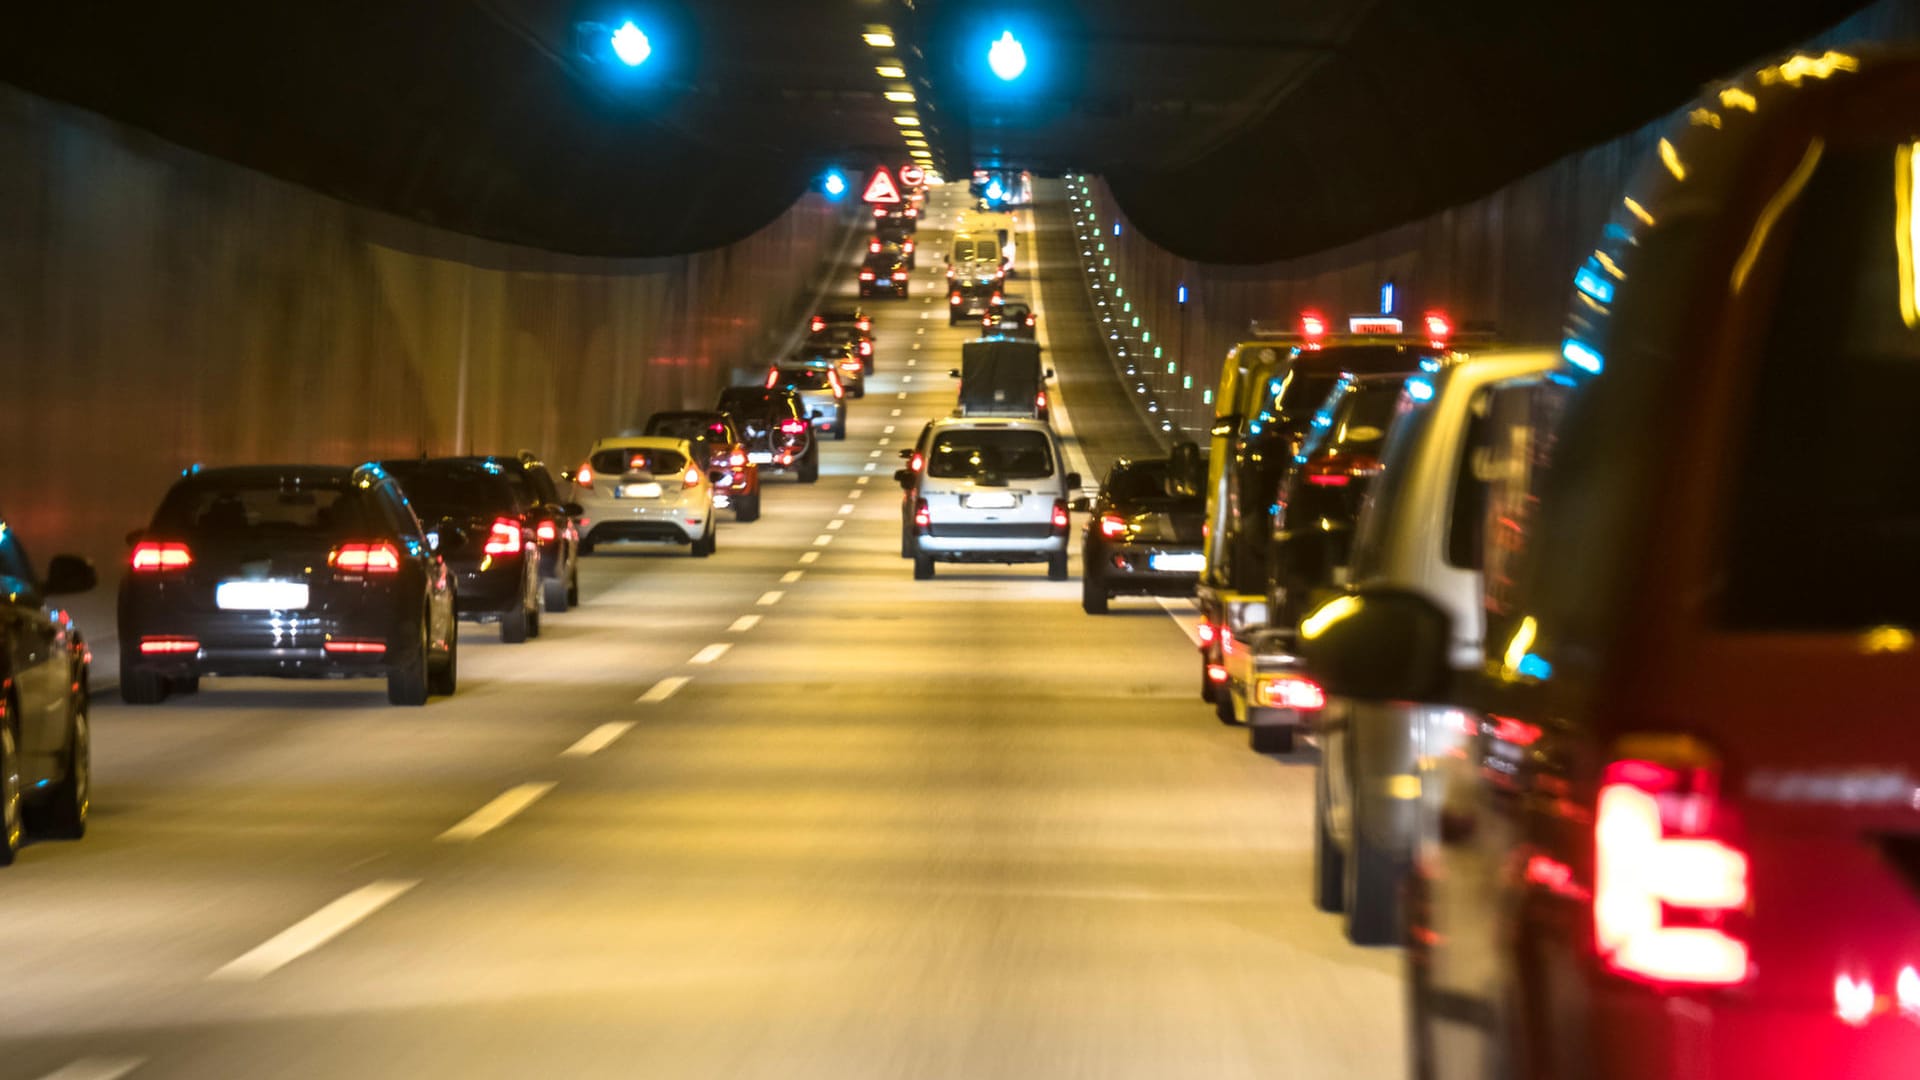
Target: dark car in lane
1009,317
496,563
841,359
902,246
884,274
777,431
738,488
46,737
1143,531
847,335
293,571
554,532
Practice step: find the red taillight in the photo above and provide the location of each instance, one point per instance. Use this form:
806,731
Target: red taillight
879,211
1029,320
1439,328
360,648
866,275
546,532
873,247
792,427
1205,632
504,537
737,459
584,477
1112,525
818,324
1216,673
916,462
866,348
1313,326
691,477
773,377
376,558
1060,519
921,518
168,646
899,275
1665,890
996,298
907,247
1329,479
953,298
1296,692
865,324
1040,400
913,211
151,557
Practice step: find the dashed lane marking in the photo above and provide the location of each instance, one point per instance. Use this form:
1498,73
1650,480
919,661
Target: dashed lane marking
598,739
711,653
768,599
663,690
96,1068
312,932
809,556
501,809
743,624
847,508
836,523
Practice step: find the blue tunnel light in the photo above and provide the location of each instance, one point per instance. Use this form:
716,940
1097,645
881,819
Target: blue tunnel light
1581,355
834,183
1007,57
631,45
1419,389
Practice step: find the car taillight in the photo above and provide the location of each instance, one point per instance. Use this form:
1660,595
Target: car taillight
1666,890
921,518
1296,692
376,558
866,275
361,648
1206,632
152,557
873,247
168,646
773,376
792,427
1029,320
504,537
907,247
1329,479
1313,327
1112,525
1439,328
1216,673
996,298
916,462
833,380
899,275
584,477
546,532
863,324
879,211
691,477
866,348
1060,518
1040,400
737,459
953,298
818,324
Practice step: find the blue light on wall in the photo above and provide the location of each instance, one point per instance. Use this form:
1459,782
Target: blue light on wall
1386,298
1007,57
834,183
1581,355
1116,228
1180,295
631,45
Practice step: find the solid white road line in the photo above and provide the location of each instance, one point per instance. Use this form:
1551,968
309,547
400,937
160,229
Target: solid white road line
663,690
809,556
743,624
711,653
96,1068
503,808
791,576
768,599
312,932
598,739
836,523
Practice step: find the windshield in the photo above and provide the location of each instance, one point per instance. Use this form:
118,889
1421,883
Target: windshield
749,402
1357,421
991,453
616,460
264,507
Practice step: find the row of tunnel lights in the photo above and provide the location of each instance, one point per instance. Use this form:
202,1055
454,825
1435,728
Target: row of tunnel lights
1093,251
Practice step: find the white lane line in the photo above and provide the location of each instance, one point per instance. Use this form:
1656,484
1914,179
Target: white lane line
855,493
869,468
924,314
823,540
895,412
503,808
912,362
921,330
883,441
902,395
768,599
862,479
96,1068
906,378
847,508
663,690
888,430
873,453
743,624
1183,613
809,556
598,739
791,576
836,523
311,932
711,653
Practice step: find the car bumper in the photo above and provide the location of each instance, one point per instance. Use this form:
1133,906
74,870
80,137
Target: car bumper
1127,570
487,590
637,520
986,543
287,644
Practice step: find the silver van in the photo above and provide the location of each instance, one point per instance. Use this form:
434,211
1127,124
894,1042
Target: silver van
990,491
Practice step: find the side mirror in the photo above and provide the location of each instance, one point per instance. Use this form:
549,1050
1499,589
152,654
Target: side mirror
906,454
1073,481
714,475
1080,504
1378,645
903,477
574,509
69,574
953,373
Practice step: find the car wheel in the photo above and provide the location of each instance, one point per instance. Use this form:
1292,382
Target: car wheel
513,626
12,831
139,686
866,365
553,594
1208,691
1057,567
1329,862
444,678
704,546
408,685
1270,738
1093,592
860,391
586,547
573,587
1371,892
747,508
185,684
62,814
906,542
922,567
533,619
1223,704
840,430
810,465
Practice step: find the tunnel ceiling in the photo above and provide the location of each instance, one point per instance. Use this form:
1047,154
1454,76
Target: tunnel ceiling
1230,131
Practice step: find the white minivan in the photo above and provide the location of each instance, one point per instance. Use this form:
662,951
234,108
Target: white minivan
990,491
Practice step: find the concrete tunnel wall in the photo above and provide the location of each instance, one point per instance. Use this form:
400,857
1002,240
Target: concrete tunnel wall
159,307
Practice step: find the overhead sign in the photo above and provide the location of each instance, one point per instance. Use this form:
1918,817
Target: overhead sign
881,188
912,176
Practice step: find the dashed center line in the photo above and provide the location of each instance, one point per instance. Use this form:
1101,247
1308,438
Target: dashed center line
888,430
663,690
311,932
906,378
96,1068
598,739
873,453
743,624
768,599
836,523
711,653
869,468
791,576
823,540
863,479
895,412
847,508
883,441
902,394
809,556
856,492
503,808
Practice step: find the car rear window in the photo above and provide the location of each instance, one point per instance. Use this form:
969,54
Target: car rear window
747,402
446,492
1144,482
265,507
807,378
976,251
991,453
687,427
618,460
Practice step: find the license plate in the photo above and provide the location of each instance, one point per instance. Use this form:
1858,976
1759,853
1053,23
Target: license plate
992,501
1184,562
260,596
760,457
640,491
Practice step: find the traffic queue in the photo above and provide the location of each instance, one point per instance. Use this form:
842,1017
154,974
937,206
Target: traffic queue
1606,646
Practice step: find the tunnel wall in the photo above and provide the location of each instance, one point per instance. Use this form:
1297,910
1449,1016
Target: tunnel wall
1506,260
159,308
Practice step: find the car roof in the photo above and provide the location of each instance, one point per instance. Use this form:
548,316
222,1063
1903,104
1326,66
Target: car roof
676,414
1021,422
264,474
642,442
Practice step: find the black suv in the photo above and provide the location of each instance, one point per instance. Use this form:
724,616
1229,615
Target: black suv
1144,531
44,751
497,562
884,273
553,530
298,571
775,427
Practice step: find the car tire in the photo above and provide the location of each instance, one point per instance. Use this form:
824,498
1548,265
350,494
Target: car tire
704,546
62,811
1208,691
922,567
585,548
553,594
1223,704
533,619
185,684
866,365
13,830
860,391
840,430
747,508
444,678
573,587
1270,738
810,465
1371,884
139,686
1057,567
408,685
1093,593
514,626
1329,862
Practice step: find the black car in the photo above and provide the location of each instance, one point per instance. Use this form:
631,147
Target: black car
774,424
738,487
302,571
496,566
1008,317
45,765
841,358
971,293
855,317
894,245
1144,531
884,273
554,532
844,334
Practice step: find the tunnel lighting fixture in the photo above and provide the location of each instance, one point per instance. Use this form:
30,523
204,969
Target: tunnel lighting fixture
879,37
1671,159
630,44
905,96
890,71
1180,295
907,120
918,144
1007,57
913,133
834,183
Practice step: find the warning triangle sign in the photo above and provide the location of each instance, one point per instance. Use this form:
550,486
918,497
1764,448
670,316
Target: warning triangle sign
881,189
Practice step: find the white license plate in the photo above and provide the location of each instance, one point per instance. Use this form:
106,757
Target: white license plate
992,501
260,596
1191,563
640,491
760,457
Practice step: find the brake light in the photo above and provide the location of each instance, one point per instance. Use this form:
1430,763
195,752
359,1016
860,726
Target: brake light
363,648
916,462
376,558
1060,519
1439,328
504,538
738,458
913,211
792,427
1216,673
1205,632
899,275
866,275
166,646
1313,327
1040,400
996,297
1296,692
921,518
773,377
865,324
150,557
953,298
1329,479
873,247
879,211
1112,525
907,247
546,532
584,477
691,477
1666,891
1029,320
818,324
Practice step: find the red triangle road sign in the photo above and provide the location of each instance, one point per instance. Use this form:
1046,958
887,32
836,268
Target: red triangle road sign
881,189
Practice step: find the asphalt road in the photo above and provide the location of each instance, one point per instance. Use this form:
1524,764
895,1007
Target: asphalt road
780,813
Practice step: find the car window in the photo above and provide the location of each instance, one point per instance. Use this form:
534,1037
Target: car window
687,427
808,378
1467,508
541,482
1514,452
750,403
457,491
991,453
1825,516
617,460
1404,434
212,507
